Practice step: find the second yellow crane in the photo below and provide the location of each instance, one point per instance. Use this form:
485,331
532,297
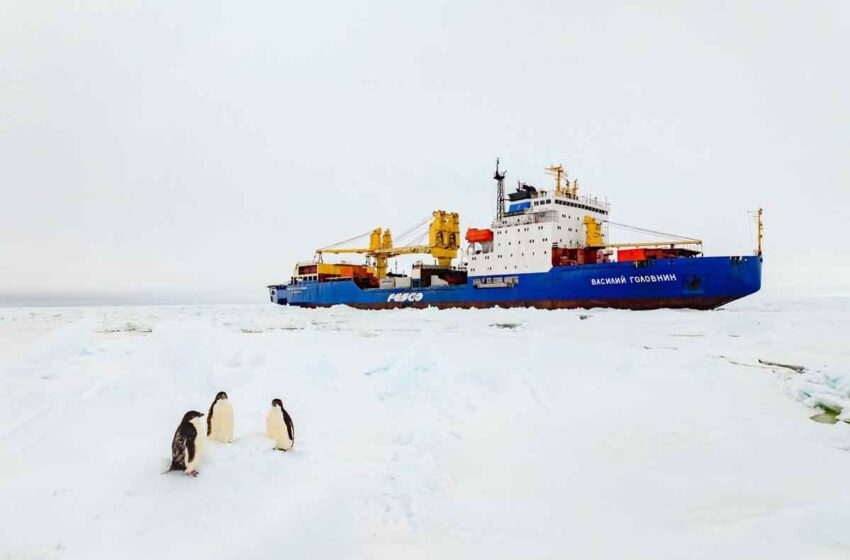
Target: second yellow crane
443,243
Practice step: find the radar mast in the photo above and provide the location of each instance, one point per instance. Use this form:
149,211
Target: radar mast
500,192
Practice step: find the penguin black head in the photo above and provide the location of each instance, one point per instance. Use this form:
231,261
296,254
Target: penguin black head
277,402
220,395
191,415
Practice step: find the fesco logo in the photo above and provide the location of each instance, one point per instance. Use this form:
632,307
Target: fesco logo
401,297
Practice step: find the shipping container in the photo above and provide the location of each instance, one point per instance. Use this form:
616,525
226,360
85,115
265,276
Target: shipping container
626,255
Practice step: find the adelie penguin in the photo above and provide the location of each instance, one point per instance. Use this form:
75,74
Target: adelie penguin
188,443
279,426
220,419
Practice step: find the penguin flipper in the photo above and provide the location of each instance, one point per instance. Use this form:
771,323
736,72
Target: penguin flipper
178,451
190,450
209,417
290,428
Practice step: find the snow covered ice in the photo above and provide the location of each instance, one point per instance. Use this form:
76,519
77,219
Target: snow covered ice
428,434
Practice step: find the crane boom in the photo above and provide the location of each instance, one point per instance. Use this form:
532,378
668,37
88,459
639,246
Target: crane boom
595,238
652,244
340,251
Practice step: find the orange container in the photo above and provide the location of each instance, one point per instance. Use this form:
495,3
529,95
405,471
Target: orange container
479,235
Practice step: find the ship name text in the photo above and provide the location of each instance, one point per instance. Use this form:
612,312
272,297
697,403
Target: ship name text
641,279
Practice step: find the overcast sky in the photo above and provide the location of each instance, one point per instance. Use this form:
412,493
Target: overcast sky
205,145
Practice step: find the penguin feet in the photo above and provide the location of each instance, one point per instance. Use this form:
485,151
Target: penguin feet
192,473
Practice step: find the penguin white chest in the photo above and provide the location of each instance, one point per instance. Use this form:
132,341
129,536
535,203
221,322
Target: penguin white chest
221,423
276,429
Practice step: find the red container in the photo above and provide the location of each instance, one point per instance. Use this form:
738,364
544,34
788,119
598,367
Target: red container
624,255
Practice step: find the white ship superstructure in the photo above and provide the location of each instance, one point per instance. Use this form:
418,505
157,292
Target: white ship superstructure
535,223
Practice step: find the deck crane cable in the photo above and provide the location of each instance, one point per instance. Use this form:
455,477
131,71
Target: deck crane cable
650,231
413,228
420,240
345,241
368,233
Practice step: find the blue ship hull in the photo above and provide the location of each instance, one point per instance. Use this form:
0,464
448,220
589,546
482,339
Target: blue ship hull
697,283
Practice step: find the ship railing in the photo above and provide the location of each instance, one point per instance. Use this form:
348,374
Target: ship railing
600,203
526,218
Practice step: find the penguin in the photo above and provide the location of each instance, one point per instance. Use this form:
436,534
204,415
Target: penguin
279,426
188,443
220,419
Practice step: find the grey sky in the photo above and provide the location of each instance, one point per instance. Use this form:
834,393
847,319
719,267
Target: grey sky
211,145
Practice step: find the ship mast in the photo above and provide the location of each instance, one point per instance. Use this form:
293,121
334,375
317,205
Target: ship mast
500,192
757,215
558,171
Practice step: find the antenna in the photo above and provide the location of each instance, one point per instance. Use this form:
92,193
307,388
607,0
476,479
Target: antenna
499,176
500,191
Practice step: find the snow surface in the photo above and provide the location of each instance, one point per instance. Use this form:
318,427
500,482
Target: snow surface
428,434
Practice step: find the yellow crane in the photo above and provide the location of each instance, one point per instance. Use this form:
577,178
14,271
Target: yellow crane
443,243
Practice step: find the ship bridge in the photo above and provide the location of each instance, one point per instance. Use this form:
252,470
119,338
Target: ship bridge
536,224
